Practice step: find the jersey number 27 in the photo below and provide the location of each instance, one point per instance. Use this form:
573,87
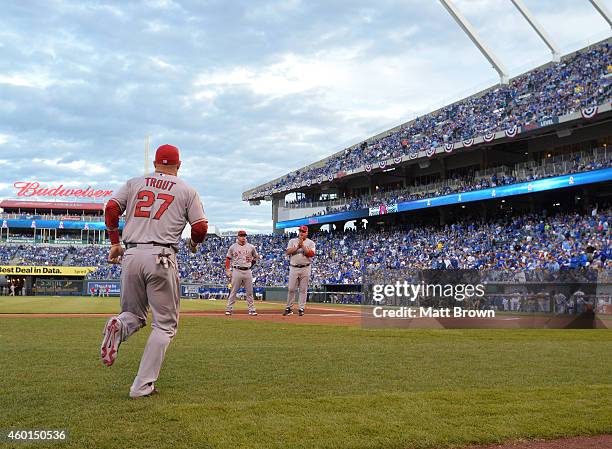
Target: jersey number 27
147,198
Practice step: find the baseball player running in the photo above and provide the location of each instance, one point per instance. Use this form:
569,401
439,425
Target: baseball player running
300,250
241,257
157,208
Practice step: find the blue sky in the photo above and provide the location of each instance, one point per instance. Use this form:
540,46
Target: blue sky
247,90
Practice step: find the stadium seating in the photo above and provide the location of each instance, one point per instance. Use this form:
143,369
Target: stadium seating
581,80
563,241
597,159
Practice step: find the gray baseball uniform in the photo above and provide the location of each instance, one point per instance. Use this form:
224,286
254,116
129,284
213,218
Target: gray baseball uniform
299,272
241,258
157,208
560,301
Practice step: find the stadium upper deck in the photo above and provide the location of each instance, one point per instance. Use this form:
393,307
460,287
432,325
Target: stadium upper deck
578,87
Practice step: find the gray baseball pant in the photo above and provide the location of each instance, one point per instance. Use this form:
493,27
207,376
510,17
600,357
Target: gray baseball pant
240,278
145,284
298,280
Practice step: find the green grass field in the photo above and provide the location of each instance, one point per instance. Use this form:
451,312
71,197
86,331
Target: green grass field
247,384
85,304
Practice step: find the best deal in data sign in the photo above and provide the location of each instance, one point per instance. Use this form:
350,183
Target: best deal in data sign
45,271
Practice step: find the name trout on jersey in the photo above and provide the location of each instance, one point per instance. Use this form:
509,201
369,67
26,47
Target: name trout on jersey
162,184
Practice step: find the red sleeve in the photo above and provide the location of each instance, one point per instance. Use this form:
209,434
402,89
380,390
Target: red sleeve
111,219
310,253
199,231
227,263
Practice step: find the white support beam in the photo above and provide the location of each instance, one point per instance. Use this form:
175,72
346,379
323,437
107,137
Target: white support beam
556,55
601,8
478,42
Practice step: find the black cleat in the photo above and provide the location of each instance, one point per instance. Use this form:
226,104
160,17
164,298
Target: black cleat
288,311
301,312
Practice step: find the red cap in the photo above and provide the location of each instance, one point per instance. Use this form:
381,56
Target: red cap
167,155
304,228
241,232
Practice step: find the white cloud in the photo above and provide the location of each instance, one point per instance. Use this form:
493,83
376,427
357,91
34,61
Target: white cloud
159,62
36,79
273,11
291,74
161,4
156,26
88,167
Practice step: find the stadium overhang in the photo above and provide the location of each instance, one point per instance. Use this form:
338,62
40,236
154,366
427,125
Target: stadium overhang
523,188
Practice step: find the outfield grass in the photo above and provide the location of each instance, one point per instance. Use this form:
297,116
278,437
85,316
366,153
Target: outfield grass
249,384
85,304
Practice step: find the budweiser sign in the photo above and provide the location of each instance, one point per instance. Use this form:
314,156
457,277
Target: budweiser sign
33,188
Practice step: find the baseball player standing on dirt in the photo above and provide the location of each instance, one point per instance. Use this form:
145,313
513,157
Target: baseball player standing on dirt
157,208
241,257
300,250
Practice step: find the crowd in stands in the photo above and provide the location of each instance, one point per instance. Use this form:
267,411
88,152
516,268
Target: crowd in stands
579,81
39,255
7,252
95,256
527,242
460,184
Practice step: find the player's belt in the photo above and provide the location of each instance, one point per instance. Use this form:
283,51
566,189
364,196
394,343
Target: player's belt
300,266
242,268
148,244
